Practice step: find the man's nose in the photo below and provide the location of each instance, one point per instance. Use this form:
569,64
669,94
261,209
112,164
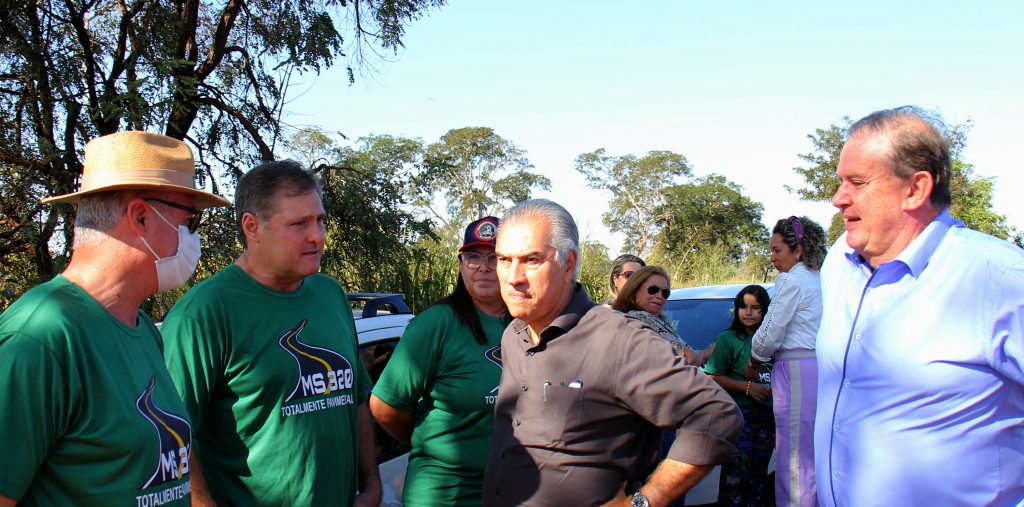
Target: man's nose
513,274
841,198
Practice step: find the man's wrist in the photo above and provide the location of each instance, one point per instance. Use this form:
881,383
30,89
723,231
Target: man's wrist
639,500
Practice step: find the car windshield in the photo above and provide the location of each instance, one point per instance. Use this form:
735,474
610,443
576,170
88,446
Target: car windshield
699,321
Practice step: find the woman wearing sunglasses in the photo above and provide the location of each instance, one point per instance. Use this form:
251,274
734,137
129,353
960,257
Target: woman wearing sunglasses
643,296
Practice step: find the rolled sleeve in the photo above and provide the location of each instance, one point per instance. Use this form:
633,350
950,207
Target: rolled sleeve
660,388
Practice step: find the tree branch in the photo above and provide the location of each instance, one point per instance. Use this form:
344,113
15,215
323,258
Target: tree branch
266,154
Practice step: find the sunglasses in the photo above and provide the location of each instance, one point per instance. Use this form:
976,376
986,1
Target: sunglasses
197,214
626,274
653,289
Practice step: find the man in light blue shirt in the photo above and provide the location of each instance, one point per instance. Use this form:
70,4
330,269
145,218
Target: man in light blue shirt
921,345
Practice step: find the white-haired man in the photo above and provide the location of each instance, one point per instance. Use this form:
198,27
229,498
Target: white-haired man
88,413
585,390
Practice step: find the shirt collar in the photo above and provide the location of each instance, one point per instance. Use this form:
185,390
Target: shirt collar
916,255
579,305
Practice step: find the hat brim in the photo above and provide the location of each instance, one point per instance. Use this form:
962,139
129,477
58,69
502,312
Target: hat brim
203,199
476,243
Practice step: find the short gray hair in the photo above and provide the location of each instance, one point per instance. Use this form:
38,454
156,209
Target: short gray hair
98,213
565,237
918,144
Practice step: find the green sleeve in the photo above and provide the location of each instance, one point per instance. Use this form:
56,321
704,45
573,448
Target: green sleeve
193,357
720,362
36,402
411,369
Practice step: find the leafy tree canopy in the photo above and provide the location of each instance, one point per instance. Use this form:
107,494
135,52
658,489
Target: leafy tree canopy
636,184
711,212
214,73
476,173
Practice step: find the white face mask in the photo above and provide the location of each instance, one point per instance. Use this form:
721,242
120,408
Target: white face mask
172,272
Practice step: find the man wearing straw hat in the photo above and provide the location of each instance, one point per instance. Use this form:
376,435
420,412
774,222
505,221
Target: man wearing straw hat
88,413
265,357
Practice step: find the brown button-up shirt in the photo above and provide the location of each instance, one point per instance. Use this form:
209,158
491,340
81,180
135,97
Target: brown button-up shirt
577,418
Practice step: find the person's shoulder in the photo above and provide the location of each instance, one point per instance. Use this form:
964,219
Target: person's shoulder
435,315
204,295
976,246
47,315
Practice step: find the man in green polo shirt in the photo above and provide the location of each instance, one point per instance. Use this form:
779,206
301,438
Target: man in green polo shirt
265,357
88,413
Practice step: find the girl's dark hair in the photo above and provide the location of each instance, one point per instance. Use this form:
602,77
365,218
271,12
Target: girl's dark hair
804,231
463,308
617,265
762,299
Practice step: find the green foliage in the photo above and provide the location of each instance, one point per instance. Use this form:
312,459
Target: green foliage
836,228
711,215
595,266
820,177
972,195
370,231
214,74
972,201
636,185
476,173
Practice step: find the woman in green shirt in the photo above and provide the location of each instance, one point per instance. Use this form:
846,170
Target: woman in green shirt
438,390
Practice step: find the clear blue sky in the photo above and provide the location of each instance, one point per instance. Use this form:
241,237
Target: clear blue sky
735,86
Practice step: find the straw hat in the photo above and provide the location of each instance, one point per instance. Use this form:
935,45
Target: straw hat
133,159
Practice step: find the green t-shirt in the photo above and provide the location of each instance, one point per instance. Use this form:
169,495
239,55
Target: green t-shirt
730,358
271,381
450,380
88,414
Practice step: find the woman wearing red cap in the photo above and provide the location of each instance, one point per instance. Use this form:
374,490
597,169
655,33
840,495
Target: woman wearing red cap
439,389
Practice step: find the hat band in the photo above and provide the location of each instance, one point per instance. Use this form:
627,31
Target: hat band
157,177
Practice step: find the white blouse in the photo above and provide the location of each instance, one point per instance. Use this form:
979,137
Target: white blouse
793,316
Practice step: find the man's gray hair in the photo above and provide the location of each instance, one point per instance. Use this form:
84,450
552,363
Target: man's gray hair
918,144
98,213
565,237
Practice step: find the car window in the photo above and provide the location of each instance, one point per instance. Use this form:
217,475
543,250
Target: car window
375,357
699,321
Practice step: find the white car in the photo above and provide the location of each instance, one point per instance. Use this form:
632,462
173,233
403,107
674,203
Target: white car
380,321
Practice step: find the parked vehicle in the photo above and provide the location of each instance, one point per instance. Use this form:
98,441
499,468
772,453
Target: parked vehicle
380,321
699,315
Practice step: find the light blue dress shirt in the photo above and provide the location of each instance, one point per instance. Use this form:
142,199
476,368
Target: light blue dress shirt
921,374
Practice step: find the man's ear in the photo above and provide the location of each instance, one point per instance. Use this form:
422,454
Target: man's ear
570,261
918,191
136,215
250,228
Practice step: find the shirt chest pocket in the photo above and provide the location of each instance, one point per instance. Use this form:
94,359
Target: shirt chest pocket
556,417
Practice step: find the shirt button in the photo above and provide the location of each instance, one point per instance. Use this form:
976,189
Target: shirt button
518,422
525,388
857,336
846,384
504,454
836,428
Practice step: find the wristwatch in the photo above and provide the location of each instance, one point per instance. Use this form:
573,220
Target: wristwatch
639,500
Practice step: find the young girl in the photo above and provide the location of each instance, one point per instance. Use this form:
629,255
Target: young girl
744,478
